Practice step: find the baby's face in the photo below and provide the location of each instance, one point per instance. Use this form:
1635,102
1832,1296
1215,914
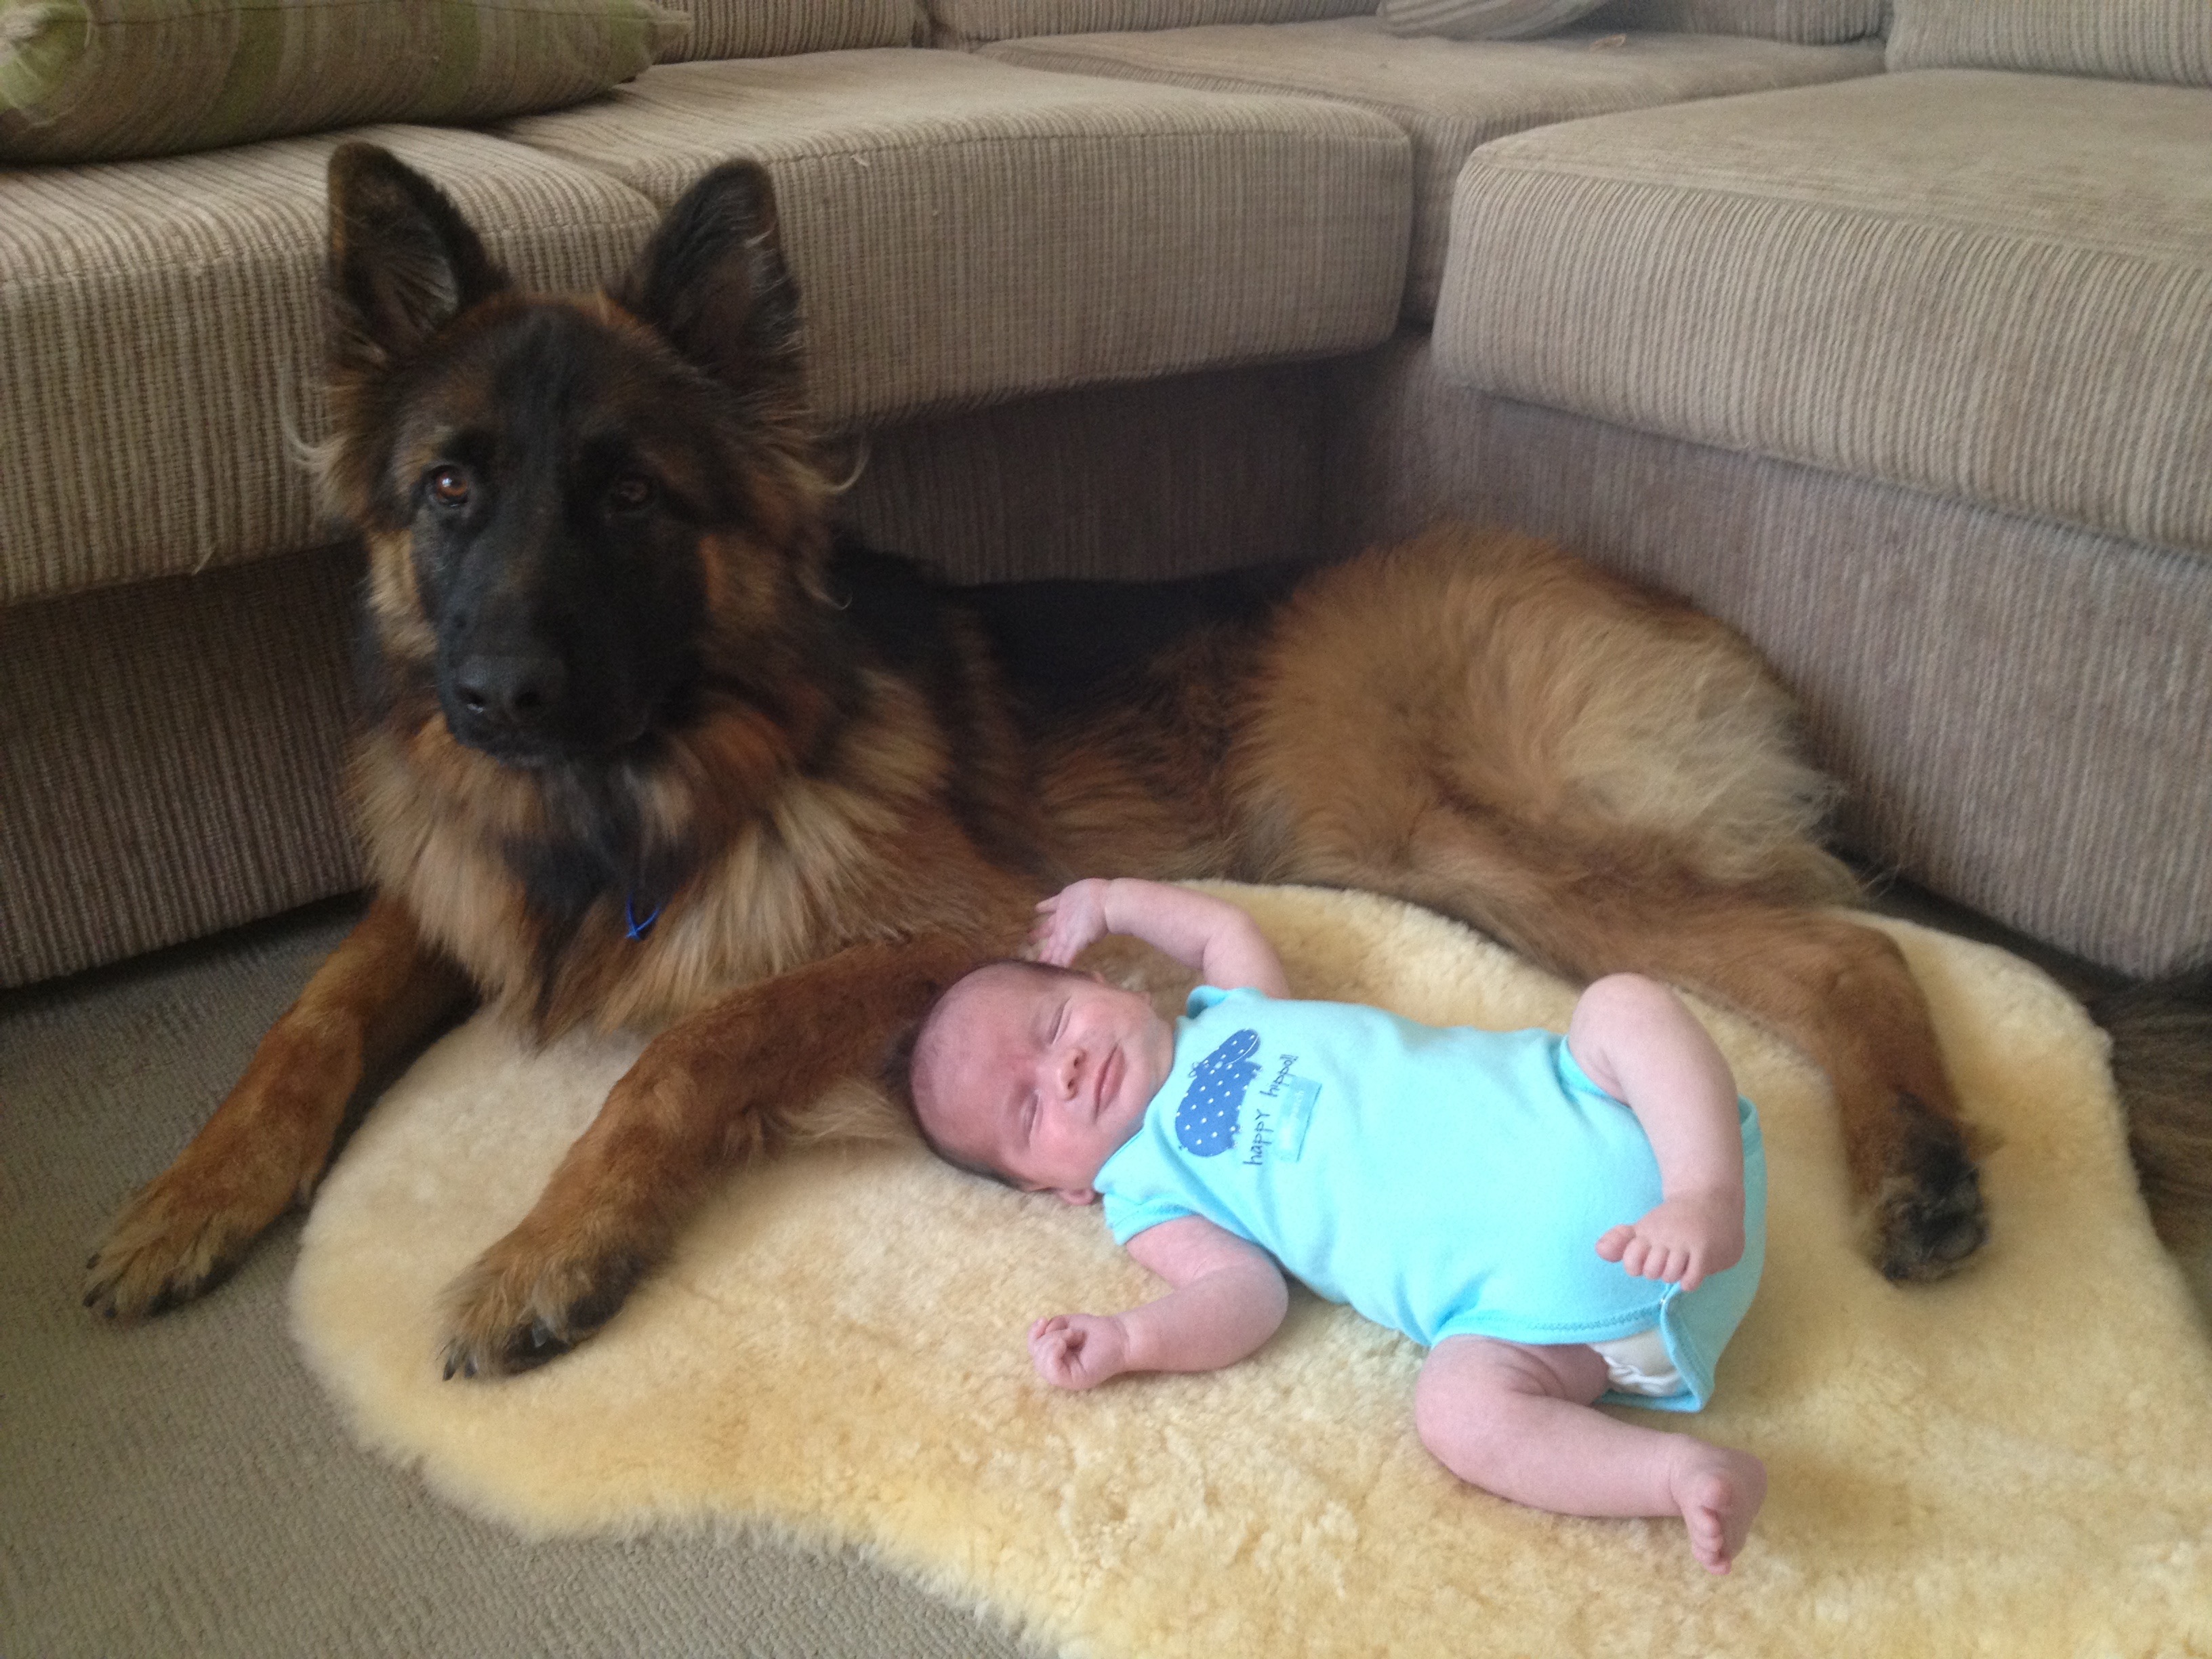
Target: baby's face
1046,1075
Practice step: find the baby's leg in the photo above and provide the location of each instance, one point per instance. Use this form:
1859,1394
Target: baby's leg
1520,1422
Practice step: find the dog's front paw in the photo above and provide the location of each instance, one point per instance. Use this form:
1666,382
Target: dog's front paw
180,1237
1928,1214
523,1303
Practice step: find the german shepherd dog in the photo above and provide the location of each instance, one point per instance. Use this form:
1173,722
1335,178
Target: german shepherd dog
646,745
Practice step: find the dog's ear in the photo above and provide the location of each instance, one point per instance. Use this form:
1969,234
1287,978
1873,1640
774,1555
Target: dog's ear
402,261
713,283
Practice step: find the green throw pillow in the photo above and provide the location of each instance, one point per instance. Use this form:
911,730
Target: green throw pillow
99,80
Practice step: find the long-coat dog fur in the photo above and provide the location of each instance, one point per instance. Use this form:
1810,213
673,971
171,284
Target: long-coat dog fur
645,745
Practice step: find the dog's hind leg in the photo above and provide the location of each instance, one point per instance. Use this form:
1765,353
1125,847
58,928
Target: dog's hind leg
1840,992
1603,780
378,993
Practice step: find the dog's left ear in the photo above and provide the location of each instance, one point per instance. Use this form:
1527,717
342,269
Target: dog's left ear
713,282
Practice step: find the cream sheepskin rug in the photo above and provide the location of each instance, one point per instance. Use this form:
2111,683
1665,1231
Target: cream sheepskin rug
2017,1462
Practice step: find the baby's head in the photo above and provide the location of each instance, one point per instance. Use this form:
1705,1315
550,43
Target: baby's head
1036,1074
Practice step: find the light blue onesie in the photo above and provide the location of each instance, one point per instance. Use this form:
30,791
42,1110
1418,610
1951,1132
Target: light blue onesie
1442,1181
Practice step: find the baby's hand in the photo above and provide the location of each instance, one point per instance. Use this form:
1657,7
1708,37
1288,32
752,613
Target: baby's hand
1069,922
1684,1240
1078,1351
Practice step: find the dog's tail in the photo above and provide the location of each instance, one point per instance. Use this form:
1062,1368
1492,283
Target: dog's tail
2161,1032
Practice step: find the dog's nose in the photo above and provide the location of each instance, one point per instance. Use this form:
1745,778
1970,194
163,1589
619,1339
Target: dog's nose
517,691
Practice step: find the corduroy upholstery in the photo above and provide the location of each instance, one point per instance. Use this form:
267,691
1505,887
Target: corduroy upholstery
1812,22
99,80
1992,286
1450,96
1147,479
964,230
751,28
2137,40
1904,373
159,322
2022,709
171,751
170,759
1481,19
971,23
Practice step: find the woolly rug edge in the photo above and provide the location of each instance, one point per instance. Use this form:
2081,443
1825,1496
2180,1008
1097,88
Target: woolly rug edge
834,1356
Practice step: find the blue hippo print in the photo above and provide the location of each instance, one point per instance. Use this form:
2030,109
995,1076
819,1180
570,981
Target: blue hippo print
1206,1121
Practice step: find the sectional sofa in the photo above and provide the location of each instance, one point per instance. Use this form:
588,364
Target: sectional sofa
1884,333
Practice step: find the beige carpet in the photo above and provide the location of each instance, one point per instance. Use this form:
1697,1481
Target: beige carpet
2013,1463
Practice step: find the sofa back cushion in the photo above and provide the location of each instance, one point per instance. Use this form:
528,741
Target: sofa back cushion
2114,40
777,28
1808,22
1811,22
972,23
102,80
1481,19
967,232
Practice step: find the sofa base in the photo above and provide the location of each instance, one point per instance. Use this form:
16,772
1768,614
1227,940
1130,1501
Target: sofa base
2021,711
1156,479
170,759
2032,747
172,753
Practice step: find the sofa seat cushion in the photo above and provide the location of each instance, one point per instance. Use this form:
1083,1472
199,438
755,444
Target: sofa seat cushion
1449,95
964,232
160,326
1992,286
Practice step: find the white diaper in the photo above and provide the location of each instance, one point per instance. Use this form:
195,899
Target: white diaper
1639,1363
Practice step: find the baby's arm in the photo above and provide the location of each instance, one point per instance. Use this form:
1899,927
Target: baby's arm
1210,934
1638,1042
1229,1296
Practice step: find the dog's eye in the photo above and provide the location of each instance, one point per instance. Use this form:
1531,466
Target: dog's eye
631,492
449,487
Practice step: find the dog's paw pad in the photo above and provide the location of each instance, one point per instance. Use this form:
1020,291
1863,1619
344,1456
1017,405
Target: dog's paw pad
159,1256
1929,1214
509,1314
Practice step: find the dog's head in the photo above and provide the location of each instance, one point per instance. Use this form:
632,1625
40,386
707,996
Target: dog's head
574,509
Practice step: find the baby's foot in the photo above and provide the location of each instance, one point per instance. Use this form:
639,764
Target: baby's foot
1718,1492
